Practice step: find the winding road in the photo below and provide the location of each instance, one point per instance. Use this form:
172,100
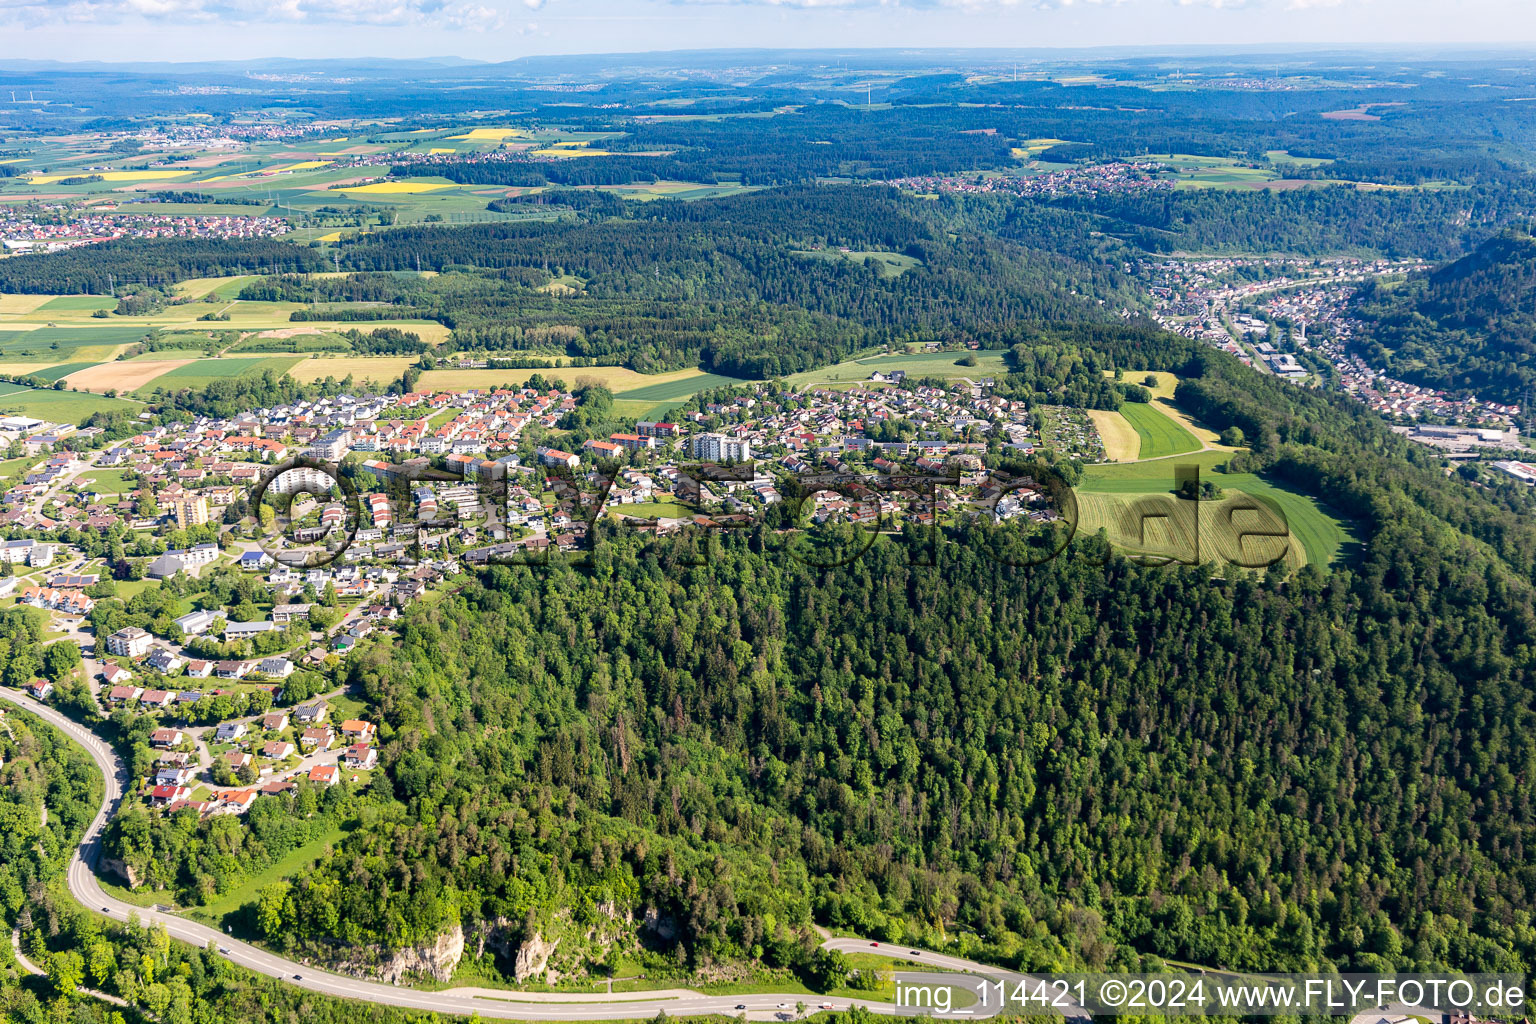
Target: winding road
502,1003
490,1003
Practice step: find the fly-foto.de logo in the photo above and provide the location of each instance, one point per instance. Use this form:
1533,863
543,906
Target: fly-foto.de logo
306,513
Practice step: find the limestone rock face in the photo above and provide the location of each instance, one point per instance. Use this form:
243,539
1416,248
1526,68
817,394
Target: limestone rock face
437,960
533,958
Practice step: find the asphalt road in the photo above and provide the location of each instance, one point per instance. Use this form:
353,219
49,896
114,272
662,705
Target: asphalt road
85,887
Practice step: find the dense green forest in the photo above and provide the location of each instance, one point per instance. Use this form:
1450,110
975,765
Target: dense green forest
731,284
1467,326
1075,764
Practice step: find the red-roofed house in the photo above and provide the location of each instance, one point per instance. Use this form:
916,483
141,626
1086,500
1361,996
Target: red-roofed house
324,774
160,796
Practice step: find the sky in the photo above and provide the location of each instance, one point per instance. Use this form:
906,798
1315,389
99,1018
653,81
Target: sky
505,29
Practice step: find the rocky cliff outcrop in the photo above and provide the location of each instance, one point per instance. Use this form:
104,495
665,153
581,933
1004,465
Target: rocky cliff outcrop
437,960
533,958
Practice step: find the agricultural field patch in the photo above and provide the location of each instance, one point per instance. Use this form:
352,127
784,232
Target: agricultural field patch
75,303
57,406
198,373
378,369
394,188
1121,442
1160,435
125,375
54,373
681,387
491,135
946,363
116,176
1107,496
11,304
619,379
54,343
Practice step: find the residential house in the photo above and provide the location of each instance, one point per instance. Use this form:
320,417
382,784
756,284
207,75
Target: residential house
360,755
161,796
323,774
164,662
228,732
174,775
277,750
123,694
276,721
275,668
319,738
165,738
358,730
309,714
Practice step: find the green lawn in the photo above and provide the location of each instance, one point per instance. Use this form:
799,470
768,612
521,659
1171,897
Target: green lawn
57,406
15,467
1160,436
989,363
653,510
107,481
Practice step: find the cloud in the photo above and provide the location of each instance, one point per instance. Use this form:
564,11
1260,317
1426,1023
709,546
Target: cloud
458,14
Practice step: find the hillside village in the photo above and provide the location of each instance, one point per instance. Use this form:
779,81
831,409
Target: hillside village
1268,312
217,572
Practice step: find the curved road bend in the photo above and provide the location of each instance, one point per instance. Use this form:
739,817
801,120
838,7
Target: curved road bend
85,887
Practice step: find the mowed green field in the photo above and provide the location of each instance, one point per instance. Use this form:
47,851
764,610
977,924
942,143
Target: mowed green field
47,344
203,372
1108,495
63,369
671,390
75,303
57,406
989,363
1160,436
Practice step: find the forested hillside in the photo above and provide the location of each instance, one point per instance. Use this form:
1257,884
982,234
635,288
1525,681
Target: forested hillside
1072,764
734,283
1469,325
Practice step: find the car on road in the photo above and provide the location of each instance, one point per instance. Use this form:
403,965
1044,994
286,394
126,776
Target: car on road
106,910
298,977
783,1006
741,1006
826,1006
224,950
917,952
874,943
